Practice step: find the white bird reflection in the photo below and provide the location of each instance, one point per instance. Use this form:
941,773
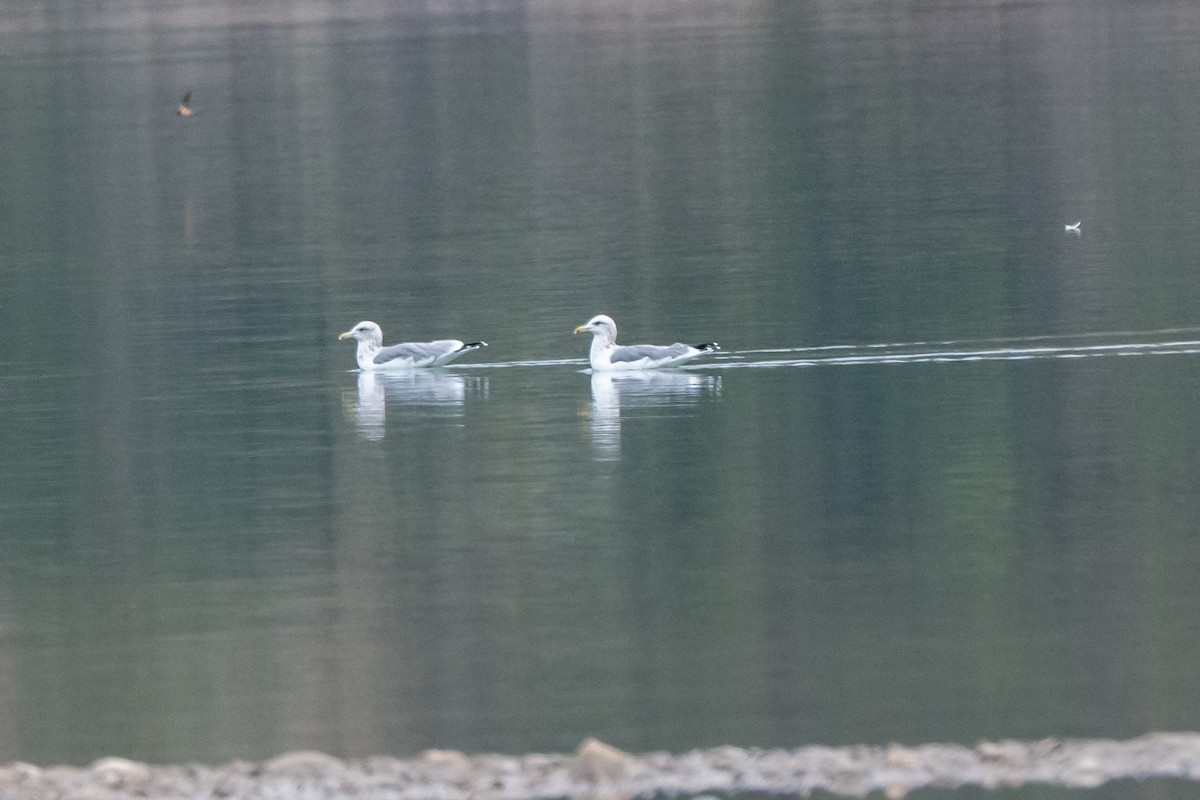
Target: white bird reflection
639,389
438,391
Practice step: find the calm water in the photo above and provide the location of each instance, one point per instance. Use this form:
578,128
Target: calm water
940,486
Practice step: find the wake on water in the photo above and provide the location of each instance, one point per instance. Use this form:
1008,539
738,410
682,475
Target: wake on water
1168,341
1165,341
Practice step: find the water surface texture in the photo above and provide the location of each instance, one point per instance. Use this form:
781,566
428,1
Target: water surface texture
939,486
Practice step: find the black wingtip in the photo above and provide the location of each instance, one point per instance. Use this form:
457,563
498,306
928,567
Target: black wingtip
708,346
473,346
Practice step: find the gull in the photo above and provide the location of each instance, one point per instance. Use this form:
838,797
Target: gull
372,355
606,354
1073,228
185,106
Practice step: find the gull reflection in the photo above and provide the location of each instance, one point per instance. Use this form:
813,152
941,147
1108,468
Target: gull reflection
436,390
640,389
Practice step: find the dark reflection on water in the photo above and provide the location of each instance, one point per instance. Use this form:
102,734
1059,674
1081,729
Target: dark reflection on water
958,505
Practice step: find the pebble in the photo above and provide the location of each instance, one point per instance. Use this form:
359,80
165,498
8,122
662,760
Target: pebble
596,761
600,770
304,762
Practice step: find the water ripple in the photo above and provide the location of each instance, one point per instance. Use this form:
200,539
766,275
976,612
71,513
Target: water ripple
1075,346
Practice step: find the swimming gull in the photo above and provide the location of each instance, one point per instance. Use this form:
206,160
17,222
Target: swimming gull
606,354
373,355
185,106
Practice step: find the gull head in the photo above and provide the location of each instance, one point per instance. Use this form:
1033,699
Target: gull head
600,325
365,332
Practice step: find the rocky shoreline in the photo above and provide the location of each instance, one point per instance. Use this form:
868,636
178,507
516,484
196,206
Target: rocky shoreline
597,770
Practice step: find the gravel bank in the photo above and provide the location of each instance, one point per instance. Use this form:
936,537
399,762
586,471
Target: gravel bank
596,770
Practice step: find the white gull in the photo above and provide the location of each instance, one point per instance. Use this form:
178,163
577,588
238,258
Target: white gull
606,354
372,355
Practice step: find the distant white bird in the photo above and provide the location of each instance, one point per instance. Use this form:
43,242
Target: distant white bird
1073,228
185,106
606,354
372,355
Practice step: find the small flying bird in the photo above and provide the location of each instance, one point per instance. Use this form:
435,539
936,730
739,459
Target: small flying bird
1074,228
606,354
372,355
185,106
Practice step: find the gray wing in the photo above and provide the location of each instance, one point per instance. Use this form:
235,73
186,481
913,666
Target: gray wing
417,351
636,352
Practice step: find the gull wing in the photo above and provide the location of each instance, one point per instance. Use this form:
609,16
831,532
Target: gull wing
417,352
654,352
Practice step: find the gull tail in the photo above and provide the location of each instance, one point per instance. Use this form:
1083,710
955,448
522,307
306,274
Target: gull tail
707,347
471,346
